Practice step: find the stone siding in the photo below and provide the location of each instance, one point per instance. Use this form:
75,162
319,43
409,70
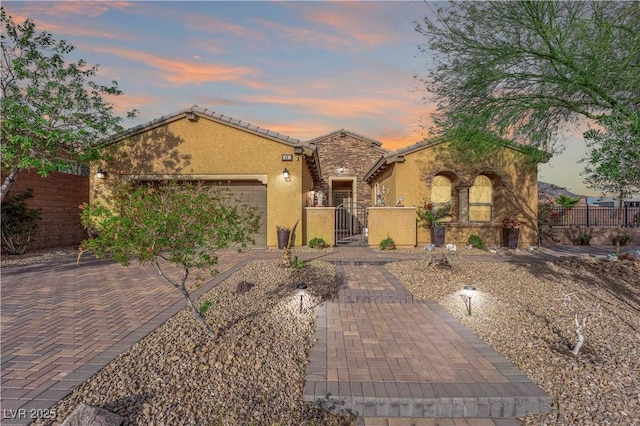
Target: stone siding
356,154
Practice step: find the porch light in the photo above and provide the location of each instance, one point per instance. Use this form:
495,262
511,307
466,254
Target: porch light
341,169
301,290
101,174
466,294
285,174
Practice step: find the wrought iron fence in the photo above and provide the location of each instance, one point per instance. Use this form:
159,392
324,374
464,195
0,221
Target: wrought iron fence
594,216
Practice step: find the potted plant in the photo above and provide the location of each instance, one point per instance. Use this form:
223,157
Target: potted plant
283,236
511,231
431,216
624,239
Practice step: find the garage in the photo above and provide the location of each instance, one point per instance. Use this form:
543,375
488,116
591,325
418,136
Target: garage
252,193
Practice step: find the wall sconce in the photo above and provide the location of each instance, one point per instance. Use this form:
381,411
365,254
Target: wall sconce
286,175
466,294
341,169
101,174
301,290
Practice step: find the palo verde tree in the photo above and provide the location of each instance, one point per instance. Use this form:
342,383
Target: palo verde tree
613,161
170,224
53,111
523,70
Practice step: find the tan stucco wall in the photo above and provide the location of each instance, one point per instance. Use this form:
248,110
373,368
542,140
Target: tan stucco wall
399,223
320,222
208,150
515,190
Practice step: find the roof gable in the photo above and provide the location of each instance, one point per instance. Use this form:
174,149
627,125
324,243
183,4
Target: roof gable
345,132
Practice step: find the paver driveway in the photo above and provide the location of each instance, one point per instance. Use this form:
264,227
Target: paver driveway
61,323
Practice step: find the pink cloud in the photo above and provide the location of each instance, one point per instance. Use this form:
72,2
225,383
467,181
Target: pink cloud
91,9
214,25
305,35
186,72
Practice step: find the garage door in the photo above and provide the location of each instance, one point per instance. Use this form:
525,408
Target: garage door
253,194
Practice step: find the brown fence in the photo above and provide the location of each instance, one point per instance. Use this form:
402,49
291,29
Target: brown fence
593,216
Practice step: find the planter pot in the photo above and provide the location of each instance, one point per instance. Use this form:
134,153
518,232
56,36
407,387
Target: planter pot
283,238
510,237
437,235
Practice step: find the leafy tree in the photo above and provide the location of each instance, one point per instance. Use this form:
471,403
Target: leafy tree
19,222
525,69
52,111
567,203
180,224
613,161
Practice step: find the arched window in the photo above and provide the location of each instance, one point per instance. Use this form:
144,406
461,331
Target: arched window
481,200
440,190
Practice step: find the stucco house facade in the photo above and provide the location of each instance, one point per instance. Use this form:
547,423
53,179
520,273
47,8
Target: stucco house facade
320,182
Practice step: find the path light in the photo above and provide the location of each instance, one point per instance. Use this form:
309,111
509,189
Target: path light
101,174
301,290
466,294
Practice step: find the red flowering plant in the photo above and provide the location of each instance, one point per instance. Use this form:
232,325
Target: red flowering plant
511,222
431,214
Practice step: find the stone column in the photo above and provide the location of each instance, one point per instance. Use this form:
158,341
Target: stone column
463,204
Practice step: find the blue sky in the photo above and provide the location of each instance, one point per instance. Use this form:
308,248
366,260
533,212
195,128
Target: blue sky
300,68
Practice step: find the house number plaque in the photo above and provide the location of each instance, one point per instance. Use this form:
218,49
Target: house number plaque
287,157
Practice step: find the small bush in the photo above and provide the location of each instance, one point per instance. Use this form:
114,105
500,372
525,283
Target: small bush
387,244
583,239
476,241
297,263
317,242
19,223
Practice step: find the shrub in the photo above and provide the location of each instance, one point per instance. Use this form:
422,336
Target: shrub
476,241
19,223
431,214
317,242
583,239
387,244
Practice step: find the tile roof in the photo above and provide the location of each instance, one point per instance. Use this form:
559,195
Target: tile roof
211,115
357,135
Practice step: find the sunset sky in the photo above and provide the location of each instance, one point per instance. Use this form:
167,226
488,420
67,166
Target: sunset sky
300,68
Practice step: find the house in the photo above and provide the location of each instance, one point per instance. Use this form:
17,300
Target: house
329,184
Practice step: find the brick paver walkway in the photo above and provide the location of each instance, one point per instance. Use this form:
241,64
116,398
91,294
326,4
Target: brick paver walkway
391,359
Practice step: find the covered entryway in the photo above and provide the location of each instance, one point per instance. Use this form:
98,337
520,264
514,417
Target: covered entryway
351,223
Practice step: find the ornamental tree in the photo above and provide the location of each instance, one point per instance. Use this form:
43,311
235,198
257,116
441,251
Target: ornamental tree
53,112
613,161
170,224
525,69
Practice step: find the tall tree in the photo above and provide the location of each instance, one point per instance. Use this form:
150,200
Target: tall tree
525,69
613,161
53,112
170,224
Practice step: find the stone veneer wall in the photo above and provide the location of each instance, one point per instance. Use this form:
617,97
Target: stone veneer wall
58,197
357,155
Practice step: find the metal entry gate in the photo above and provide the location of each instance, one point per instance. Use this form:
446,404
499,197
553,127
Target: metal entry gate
351,223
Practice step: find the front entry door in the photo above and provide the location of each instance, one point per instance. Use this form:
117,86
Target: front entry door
341,197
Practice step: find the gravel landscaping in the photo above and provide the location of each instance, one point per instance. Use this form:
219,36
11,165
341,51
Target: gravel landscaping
518,309
252,373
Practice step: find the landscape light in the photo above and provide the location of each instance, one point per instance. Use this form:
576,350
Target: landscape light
301,290
466,294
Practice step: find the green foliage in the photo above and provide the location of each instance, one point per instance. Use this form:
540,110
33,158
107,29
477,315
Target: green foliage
183,224
524,69
476,241
317,242
297,263
387,244
53,112
431,214
566,201
19,223
546,215
583,239
205,306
